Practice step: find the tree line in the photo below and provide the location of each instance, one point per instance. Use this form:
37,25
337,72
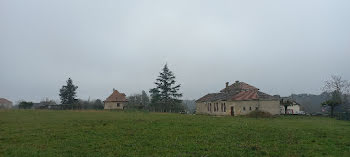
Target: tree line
333,99
165,96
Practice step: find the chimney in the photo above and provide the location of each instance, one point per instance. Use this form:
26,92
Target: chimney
227,84
113,89
237,81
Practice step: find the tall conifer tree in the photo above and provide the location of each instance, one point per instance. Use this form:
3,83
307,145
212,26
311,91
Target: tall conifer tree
166,96
67,93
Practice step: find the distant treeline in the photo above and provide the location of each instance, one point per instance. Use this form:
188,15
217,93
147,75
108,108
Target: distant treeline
311,103
136,101
51,104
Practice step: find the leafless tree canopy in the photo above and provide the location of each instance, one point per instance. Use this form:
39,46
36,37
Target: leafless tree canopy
336,83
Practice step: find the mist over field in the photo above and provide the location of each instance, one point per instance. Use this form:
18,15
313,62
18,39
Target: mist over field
282,47
175,78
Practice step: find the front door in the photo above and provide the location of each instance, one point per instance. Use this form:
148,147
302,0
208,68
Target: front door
232,111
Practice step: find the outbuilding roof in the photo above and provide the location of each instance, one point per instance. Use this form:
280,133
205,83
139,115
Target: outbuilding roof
5,101
116,97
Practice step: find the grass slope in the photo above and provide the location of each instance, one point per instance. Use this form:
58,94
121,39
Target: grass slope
104,133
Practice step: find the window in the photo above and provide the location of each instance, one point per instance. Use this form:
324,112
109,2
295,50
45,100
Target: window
250,108
256,108
118,104
224,107
243,108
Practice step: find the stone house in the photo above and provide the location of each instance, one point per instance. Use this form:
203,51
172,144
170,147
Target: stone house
5,104
237,99
115,101
294,108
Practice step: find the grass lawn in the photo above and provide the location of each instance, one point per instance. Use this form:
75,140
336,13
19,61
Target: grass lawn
107,133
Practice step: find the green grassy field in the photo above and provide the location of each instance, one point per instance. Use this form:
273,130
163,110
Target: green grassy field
104,133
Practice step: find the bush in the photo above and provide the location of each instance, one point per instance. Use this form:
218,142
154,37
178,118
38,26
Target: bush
259,114
25,105
343,116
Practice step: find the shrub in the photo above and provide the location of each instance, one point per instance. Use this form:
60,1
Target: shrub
259,114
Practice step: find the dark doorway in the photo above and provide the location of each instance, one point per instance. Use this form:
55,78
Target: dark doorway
232,111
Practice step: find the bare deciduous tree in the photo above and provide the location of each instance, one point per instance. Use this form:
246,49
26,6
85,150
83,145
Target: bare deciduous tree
339,89
336,83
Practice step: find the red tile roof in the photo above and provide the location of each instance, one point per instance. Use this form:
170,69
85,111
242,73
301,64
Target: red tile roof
5,101
238,91
116,97
239,86
246,95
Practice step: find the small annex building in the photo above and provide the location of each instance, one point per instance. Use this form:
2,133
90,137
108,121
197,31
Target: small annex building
115,101
5,104
293,108
237,99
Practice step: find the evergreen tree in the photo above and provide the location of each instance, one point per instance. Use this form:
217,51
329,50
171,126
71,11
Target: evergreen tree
67,93
155,99
165,97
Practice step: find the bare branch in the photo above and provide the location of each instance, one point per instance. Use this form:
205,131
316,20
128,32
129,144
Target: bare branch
336,83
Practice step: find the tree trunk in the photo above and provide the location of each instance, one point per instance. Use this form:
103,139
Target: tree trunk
285,110
332,111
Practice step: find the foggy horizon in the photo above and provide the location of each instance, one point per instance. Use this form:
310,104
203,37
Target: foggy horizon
282,48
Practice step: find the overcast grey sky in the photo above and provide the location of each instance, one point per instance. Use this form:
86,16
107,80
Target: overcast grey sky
281,47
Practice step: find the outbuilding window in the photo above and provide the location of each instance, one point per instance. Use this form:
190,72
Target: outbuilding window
118,104
243,108
250,108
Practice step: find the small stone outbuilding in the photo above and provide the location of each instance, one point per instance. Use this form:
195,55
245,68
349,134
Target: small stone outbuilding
115,101
5,104
237,99
293,108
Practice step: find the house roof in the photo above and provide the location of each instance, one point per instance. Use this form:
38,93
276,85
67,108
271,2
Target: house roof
239,91
213,97
239,86
5,101
116,97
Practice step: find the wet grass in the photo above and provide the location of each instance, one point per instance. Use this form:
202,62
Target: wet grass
104,133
